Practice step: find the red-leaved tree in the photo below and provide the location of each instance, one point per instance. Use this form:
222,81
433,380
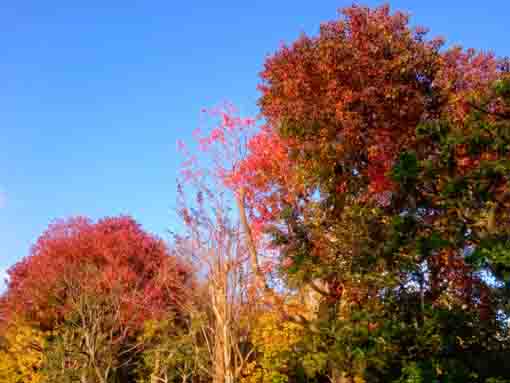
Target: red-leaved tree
94,285
114,254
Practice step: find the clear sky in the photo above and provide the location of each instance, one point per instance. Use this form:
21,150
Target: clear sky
95,96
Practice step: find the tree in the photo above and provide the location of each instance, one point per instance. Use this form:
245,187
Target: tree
95,284
21,353
213,243
175,351
284,352
225,177
389,179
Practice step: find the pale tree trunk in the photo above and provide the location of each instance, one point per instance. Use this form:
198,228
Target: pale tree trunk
227,351
218,300
155,373
219,368
222,307
219,248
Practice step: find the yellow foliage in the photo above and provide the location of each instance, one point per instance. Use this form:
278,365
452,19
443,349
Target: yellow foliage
21,356
273,335
275,342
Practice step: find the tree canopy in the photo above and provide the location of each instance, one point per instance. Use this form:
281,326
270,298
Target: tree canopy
358,231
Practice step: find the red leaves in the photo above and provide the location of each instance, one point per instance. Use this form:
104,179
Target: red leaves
365,78
112,255
241,159
223,143
366,81
465,76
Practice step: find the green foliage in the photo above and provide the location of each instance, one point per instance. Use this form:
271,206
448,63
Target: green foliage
382,177
64,361
413,244
285,353
173,350
406,170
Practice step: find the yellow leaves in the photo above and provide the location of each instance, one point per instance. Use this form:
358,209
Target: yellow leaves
252,373
151,329
274,336
275,341
280,352
21,358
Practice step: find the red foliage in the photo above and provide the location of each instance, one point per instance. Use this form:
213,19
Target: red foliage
241,159
465,77
350,98
113,255
362,86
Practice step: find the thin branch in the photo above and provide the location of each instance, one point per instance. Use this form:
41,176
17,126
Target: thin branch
504,116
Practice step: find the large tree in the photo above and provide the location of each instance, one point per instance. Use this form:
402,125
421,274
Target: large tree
93,285
382,173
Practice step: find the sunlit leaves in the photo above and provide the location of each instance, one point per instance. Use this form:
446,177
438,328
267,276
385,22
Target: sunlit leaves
21,353
113,255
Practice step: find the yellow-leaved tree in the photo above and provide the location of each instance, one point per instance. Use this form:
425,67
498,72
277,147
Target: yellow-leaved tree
280,353
21,353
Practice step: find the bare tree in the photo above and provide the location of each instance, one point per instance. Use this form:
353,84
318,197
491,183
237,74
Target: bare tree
214,244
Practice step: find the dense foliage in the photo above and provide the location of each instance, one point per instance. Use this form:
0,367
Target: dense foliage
393,195
87,289
371,240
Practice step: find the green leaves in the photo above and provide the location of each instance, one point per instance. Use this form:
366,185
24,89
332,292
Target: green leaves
406,170
502,88
425,245
495,253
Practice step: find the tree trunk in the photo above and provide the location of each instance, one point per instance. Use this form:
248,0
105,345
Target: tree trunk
155,372
219,363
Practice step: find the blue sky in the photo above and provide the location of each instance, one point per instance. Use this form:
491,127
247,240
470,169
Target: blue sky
94,97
